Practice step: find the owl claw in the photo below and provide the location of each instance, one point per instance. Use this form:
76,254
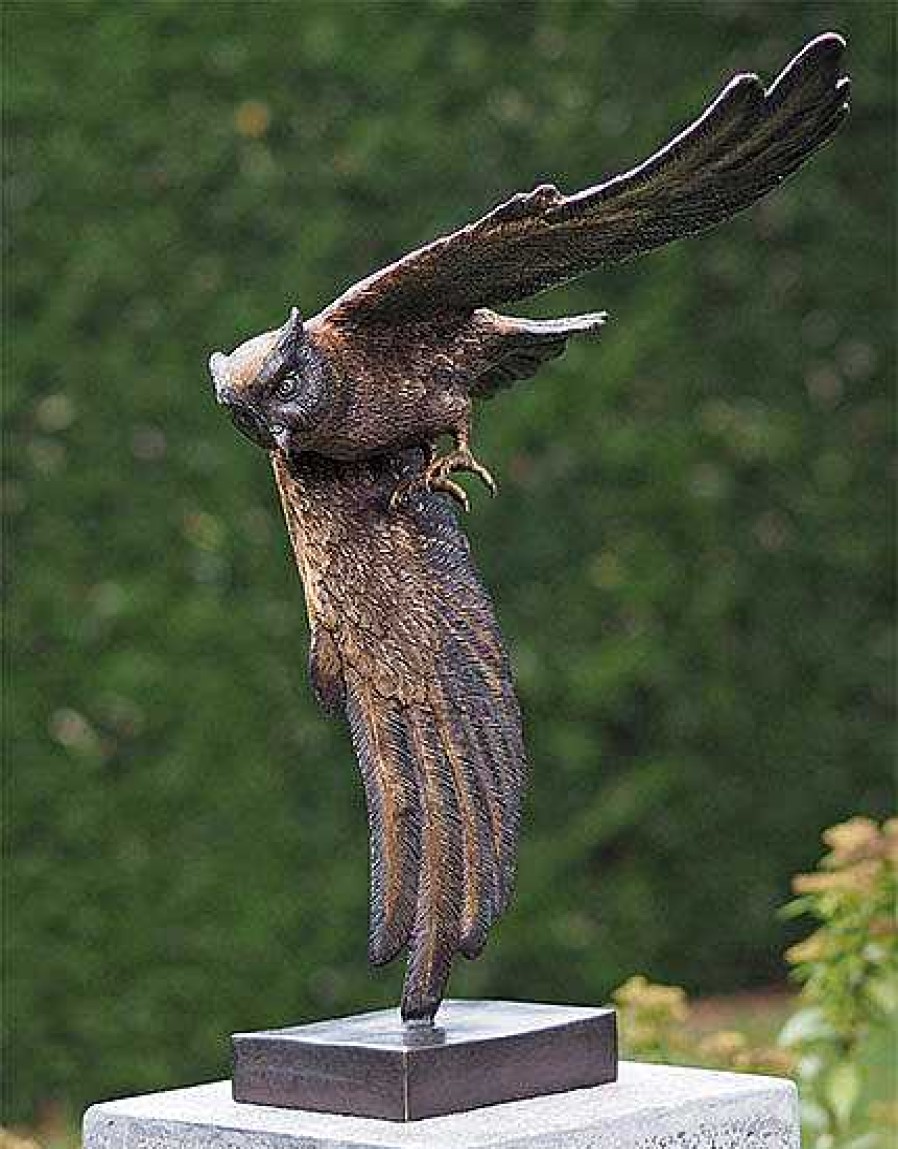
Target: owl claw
427,482
447,487
435,477
463,460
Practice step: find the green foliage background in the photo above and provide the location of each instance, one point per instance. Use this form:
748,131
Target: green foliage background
690,553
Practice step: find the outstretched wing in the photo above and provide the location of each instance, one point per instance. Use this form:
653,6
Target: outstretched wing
405,643
744,144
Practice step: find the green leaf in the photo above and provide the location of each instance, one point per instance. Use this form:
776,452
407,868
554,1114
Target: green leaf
883,992
865,1141
806,1026
810,1067
797,908
843,1087
814,1118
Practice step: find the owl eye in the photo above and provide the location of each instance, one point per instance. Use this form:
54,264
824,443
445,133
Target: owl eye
286,389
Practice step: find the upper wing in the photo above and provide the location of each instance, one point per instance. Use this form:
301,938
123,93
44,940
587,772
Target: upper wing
744,144
405,642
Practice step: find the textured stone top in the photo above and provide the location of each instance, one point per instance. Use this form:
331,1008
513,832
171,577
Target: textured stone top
650,1107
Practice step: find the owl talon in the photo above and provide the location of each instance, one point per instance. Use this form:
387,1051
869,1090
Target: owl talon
447,487
425,482
463,460
435,477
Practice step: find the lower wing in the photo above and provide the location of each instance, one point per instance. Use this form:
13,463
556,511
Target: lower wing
405,644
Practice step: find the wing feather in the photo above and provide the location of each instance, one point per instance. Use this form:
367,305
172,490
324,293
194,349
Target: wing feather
741,147
479,859
436,932
380,738
404,640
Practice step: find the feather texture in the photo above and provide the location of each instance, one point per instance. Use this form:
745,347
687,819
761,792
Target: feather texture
743,146
522,346
404,640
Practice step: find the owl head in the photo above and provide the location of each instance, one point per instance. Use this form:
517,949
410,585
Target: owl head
272,385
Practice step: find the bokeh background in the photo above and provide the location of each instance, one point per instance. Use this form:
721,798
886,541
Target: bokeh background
690,554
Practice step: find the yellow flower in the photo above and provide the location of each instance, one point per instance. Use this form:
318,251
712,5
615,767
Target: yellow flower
769,1059
9,1140
722,1047
856,840
660,1002
884,1113
860,878
252,119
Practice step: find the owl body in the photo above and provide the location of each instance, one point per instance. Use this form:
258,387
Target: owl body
396,388
350,396
350,405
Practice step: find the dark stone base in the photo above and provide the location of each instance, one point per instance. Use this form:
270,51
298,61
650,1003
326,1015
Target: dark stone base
477,1053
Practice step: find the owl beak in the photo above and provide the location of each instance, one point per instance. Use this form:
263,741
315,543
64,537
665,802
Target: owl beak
218,369
244,415
250,424
281,436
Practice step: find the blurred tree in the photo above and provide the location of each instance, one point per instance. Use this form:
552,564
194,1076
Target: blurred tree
690,552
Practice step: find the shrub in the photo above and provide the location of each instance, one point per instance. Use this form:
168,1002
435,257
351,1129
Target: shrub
848,972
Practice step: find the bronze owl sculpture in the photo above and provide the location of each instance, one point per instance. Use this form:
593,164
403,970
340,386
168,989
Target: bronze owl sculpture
350,405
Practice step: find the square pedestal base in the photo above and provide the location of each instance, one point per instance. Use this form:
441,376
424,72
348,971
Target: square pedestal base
648,1107
478,1053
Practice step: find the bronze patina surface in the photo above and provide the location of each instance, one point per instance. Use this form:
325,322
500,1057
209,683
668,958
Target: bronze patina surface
481,1053
350,405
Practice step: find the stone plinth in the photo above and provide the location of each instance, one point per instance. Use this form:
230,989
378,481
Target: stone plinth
649,1107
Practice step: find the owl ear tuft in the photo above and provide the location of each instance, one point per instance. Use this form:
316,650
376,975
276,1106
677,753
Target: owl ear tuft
290,336
284,354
